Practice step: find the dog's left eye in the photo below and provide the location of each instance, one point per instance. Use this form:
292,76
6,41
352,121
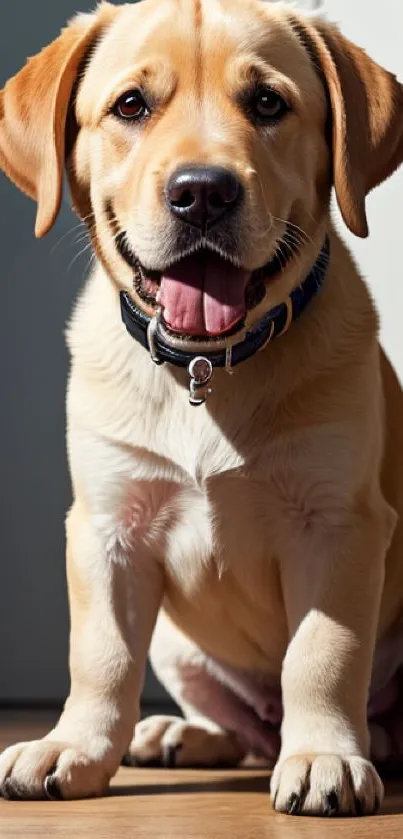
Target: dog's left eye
269,105
131,106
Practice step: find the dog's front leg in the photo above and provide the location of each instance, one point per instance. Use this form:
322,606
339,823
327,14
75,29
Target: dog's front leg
332,581
114,601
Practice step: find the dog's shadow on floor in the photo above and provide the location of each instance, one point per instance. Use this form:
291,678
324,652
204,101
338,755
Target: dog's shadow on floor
392,806
254,783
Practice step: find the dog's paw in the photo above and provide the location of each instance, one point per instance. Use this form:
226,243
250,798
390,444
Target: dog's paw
172,742
326,785
53,770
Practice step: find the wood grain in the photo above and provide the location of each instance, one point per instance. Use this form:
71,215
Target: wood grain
163,804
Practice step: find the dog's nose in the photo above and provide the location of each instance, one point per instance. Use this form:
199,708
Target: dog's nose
200,195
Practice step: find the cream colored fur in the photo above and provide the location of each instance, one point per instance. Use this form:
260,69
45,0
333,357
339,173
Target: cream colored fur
262,527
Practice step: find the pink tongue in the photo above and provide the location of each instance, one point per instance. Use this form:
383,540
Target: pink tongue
203,294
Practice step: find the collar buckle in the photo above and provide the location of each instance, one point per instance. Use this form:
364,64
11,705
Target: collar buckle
152,331
200,371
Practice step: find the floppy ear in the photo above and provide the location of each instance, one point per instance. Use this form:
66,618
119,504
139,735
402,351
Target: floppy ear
367,120
33,114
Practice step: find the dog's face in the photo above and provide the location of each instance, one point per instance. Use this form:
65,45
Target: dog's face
203,138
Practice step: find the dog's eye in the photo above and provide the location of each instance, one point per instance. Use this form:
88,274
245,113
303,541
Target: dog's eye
269,105
131,106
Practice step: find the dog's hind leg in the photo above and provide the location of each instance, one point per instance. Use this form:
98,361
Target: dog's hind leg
218,727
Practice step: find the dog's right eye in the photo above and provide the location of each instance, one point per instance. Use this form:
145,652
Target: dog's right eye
131,106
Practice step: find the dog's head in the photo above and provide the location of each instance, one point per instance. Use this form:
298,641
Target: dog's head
202,138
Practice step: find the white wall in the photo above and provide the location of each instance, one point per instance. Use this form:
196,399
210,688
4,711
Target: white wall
378,27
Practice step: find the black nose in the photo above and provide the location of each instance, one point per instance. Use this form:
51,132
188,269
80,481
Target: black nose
200,195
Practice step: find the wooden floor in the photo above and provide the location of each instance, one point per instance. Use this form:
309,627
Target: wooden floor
162,804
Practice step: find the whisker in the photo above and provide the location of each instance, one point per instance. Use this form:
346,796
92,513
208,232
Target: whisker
280,255
64,236
72,230
77,256
82,237
295,227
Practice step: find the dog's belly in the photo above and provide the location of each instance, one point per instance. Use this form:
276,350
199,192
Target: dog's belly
225,623
225,593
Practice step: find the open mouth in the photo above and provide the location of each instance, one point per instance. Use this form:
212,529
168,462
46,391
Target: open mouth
202,295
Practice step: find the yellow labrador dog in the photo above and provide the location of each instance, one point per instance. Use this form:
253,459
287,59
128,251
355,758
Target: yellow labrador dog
235,433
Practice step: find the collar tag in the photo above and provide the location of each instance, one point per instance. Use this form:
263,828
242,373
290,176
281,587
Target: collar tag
200,371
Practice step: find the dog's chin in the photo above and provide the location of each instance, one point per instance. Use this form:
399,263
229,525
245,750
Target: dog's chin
202,294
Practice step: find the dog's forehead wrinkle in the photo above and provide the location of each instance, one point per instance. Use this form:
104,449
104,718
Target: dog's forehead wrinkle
247,24
135,32
208,35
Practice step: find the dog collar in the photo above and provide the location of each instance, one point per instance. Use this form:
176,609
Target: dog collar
149,332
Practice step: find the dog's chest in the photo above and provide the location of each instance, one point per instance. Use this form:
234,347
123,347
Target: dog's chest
213,489
217,537
223,581
195,486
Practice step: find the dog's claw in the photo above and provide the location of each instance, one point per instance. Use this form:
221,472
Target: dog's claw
7,790
331,807
169,756
294,805
51,789
377,805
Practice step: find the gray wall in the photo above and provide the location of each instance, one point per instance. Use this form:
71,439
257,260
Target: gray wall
39,282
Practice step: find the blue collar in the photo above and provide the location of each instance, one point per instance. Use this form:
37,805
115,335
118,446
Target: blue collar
273,324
